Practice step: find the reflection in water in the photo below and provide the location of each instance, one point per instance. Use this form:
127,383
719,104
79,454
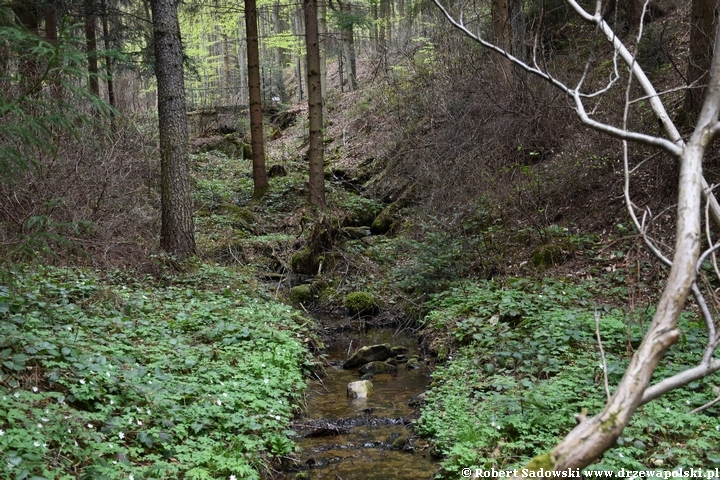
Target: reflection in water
372,440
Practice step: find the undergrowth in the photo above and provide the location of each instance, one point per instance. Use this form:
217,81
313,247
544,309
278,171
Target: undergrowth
116,378
523,360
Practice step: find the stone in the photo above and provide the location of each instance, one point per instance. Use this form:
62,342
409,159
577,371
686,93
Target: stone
378,367
359,389
399,350
399,442
372,353
366,376
301,294
361,303
412,363
356,233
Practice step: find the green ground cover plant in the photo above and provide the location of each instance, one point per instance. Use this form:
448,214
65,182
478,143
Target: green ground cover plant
116,378
523,361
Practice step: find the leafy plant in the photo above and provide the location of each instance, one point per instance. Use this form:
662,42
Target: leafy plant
101,379
523,361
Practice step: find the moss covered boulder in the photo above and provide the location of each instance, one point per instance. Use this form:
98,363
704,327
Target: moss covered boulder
384,222
378,367
361,303
301,294
372,353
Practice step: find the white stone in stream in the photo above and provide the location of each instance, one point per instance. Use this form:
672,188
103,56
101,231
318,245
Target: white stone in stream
359,389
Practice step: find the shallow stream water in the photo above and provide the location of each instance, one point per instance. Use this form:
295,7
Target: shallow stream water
363,438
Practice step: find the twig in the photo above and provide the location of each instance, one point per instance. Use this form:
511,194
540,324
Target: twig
707,405
602,353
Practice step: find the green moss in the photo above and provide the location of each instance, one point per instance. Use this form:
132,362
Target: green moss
543,461
550,254
383,223
301,294
361,303
303,262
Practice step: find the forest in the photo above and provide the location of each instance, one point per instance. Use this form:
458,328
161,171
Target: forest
359,239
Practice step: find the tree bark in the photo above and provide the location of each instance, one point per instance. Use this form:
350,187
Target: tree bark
322,38
315,152
502,33
517,28
347,38
260,180
176,231
108,60
91,45
703,20
297,31
279,63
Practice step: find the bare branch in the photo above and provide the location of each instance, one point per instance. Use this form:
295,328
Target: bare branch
707,405
680,380
602,354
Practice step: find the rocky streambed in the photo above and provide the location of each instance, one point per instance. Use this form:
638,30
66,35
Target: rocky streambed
361,434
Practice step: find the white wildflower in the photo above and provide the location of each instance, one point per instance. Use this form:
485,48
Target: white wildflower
35,389
121,435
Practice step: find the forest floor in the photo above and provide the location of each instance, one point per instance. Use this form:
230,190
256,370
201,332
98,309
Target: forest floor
196,369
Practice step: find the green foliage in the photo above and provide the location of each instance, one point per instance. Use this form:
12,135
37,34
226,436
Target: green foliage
120,379
37,94
524,361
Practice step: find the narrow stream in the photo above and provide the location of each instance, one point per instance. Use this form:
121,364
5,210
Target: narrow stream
345,438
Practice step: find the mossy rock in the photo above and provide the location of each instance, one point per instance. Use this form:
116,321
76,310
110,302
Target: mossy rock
301,294
383,223
356,233
303,262
361,303
550,254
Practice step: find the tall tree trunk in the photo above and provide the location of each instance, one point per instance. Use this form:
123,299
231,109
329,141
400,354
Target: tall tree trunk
50,17
297,31
279,63
502,33
242,60
91,45
517,28
315,153
703,21
260,179
26,14
322,37
108,60
227,80
347,38
382,34
176,231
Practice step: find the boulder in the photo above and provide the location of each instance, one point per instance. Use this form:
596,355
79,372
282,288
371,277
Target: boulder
372,353
356,233
359,389
413,363
399,350
361,303
378,367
